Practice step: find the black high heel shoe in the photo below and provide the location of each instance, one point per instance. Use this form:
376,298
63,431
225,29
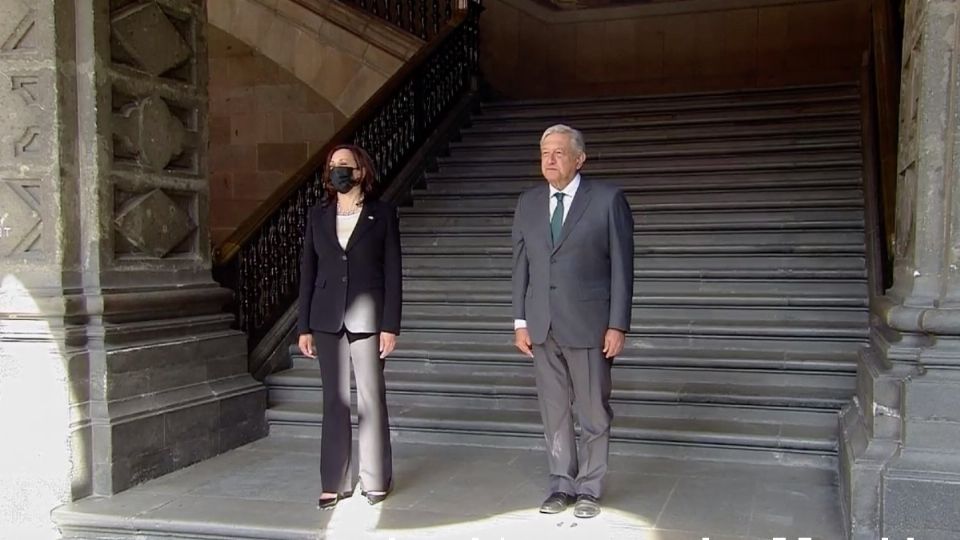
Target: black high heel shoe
376,498
329,504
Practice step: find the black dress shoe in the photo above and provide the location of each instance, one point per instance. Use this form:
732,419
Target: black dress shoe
557,502
587,506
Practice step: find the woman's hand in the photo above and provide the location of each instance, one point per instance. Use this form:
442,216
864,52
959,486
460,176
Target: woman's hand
306,345
388,342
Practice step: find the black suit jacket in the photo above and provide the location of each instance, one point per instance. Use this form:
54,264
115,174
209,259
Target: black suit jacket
357,287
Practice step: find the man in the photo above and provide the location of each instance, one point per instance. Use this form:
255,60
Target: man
572,296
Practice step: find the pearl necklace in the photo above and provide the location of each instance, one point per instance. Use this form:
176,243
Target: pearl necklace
342,212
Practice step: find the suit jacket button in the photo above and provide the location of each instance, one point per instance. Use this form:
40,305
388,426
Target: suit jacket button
344,257
344,279
553,287
553,261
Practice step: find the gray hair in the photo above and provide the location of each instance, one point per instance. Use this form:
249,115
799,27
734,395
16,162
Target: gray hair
576,138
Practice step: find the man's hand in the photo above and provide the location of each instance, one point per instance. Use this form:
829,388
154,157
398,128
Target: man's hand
388,342
522,341
613,342
306,345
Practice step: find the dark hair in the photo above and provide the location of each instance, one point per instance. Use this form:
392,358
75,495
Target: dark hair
368,171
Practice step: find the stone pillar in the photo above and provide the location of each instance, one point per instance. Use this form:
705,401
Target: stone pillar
901,435
118,363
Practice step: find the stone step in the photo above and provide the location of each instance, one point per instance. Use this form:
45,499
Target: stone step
730,313
664,182
781,131
724,360
660,292
649,149
641,164
837,325
810,211
704,200
458,423
663,351
466,227
518,108
768,113
850,241
647,386
675,130
825,264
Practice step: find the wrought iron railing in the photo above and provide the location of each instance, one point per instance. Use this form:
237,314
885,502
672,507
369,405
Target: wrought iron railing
260,261
424,18
880,90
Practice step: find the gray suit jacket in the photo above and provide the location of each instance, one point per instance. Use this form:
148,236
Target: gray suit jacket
584,284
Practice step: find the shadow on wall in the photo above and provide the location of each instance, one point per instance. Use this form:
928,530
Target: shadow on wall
264,125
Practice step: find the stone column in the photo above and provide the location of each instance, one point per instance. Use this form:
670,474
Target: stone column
118,363
901,435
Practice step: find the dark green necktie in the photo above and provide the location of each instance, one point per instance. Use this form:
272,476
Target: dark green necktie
556,221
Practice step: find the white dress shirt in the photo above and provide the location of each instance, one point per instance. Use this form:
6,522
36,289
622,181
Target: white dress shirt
569,193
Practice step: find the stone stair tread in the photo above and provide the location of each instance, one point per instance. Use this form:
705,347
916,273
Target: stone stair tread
675,160
518,110
775,290
702,199
853,300
698,264
659,182
669,314
748,127
706,116
802,211
758,147
800,132
625,429
829,225
685,326
748,95
643,253
520,382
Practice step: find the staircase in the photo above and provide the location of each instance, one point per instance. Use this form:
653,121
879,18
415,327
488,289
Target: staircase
750,297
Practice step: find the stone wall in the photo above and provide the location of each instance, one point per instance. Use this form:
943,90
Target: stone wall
900,444
264,124
342,54
660,47
117,361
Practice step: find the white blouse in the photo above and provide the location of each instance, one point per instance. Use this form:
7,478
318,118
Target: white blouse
345,227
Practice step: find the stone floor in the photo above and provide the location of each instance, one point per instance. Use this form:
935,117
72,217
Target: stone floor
268,489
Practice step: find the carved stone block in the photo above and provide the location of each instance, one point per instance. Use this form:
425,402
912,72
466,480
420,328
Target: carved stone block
148,130
25,131
144,36
19,217
17,28
154,223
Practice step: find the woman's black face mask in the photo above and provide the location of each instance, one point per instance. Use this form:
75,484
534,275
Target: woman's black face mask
341,178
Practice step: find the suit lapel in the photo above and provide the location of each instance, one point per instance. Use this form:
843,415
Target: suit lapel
542,215
364,223
580,202
328,223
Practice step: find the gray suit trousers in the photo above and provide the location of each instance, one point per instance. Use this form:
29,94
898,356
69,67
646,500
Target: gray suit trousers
568,375
336,352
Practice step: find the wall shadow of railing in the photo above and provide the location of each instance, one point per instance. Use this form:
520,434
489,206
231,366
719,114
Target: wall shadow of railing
260,260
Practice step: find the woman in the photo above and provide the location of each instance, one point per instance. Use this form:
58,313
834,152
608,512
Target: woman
350,314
